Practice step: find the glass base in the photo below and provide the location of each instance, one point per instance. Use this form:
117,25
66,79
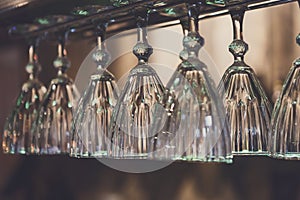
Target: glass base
287,156
52,151
164,158
221,159
142,156
250,153
21,151
100,154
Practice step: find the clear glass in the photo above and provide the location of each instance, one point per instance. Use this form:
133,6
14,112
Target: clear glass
247,107
92,118
18,137
53,124
285,136
132,115
190,121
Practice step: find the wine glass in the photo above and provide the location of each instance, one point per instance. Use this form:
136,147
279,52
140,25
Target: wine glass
92,118
285,136
247,107
18,137
192,125
132,116
53,124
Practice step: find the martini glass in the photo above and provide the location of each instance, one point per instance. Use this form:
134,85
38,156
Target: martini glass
191,126
92,118
247,106
18,137
132,116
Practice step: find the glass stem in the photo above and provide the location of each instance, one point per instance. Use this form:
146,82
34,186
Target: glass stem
62,38
100,55
142,22
193,24
142,50
184,21
193,41
237,17
61,50
237,20
99,42
31,53
33,58
62,63
61,54
193,18
184,25
100,31
142,34
142,39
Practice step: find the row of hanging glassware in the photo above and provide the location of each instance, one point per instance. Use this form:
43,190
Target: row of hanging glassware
189,119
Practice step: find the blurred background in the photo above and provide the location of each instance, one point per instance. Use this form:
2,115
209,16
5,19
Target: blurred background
270,33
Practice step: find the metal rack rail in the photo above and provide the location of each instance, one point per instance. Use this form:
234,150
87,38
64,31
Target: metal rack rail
123,16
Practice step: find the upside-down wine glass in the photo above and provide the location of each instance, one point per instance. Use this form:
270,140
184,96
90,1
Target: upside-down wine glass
18,137
285,136
191,126
132,116
53,125
247,106
93,115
